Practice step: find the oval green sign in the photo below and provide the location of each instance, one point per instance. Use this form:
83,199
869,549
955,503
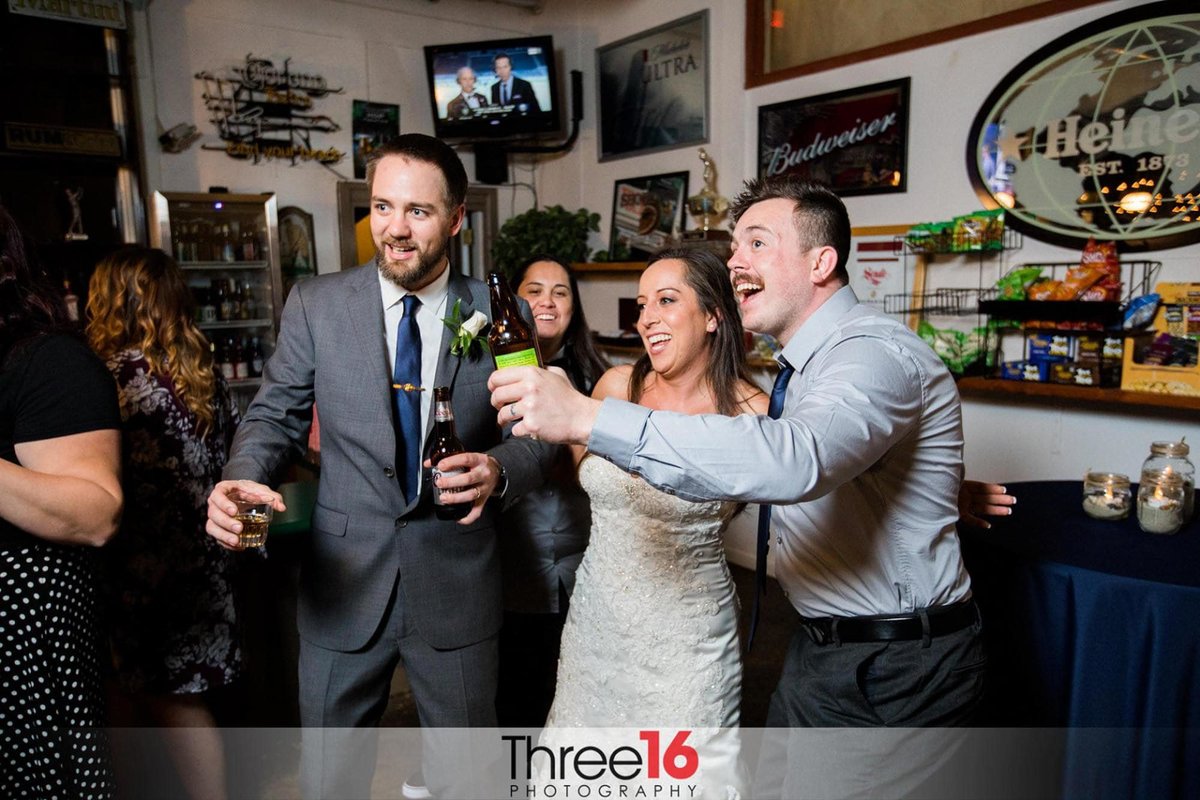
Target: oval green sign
1097,134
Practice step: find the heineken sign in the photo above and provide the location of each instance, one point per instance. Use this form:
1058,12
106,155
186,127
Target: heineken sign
1098,133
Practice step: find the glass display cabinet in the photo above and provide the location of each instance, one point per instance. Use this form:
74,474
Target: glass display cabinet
228,247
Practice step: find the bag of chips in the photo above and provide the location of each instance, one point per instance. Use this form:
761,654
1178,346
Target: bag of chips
1140,311
1079,280
1102,256
1044,289
979,230
1013,285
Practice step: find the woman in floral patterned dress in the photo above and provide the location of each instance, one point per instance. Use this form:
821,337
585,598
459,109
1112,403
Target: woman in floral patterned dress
171,603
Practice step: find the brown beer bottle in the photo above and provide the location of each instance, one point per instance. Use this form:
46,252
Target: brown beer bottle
513,341
445,443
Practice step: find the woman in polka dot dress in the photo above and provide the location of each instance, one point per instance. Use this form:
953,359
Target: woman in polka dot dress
60,497
171,600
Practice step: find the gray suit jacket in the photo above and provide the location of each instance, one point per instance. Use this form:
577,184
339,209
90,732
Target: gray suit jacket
331,349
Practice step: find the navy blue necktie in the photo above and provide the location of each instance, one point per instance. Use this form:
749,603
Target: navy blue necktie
504,94
406,380
764,511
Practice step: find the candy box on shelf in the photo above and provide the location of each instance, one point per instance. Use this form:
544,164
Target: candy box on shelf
1164,361
1074,373
1037,371
1101,355
1048,347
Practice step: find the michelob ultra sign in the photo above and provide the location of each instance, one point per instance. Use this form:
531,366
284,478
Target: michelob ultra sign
1097,134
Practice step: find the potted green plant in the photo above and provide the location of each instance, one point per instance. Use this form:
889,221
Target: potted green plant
552,230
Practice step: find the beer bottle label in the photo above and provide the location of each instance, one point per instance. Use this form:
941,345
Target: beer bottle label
437,493
521,358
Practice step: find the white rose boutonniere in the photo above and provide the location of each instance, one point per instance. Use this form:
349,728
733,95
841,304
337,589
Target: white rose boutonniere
464,334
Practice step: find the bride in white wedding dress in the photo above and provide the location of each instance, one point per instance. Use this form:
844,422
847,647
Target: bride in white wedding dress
651,636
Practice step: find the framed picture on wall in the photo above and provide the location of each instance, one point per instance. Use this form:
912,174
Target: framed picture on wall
372,124
854,140
297,255
653,91
647,214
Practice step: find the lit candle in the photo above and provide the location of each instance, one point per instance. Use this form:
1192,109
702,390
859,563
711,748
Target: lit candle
1160,502
1106,495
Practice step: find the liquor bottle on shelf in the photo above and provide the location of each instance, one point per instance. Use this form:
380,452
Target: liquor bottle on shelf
445,443
179,243
235,300
256,358
511,339
208,304
191,245
241,359
248,308
222,360
191,248
228,251
72,301
222,299
204,240
249,243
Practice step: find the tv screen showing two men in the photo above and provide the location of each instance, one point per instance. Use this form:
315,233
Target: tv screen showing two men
492,84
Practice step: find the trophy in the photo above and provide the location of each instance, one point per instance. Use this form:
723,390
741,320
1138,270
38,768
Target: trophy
707,207
75,231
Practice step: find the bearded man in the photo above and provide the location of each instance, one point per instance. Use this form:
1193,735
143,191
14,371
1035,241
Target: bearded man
384,581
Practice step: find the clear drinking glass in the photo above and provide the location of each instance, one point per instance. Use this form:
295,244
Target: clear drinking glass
255,515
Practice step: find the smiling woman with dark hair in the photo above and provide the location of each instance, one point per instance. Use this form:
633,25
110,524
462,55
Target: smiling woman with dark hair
546,530
60,496
653,591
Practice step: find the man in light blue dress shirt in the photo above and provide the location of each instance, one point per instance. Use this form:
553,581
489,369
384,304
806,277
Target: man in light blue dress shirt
862,470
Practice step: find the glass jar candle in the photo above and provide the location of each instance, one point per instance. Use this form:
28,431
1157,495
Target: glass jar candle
1160,502
1106,495
1173,456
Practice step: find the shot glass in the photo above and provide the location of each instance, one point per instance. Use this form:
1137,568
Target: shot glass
255,516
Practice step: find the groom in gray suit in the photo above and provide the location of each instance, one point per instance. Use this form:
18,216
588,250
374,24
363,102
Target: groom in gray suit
384,580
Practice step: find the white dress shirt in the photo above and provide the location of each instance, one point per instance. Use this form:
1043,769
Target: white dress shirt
429,321
863,466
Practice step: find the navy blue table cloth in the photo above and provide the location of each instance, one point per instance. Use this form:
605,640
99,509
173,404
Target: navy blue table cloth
1094,626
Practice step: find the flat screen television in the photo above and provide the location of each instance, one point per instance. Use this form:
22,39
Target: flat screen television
471,102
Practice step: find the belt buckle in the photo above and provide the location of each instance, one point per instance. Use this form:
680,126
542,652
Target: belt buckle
819,634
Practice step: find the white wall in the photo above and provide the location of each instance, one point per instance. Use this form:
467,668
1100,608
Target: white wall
373,49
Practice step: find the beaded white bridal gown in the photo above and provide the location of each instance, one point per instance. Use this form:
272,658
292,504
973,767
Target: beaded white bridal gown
651,636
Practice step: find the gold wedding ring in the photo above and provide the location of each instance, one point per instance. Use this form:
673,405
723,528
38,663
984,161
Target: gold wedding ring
478,493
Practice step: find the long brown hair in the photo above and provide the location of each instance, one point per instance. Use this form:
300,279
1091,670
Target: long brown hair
726,370
138,298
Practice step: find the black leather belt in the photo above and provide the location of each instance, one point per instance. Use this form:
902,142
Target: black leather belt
923,624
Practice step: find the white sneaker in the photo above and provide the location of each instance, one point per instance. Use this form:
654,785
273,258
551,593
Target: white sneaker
414,787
